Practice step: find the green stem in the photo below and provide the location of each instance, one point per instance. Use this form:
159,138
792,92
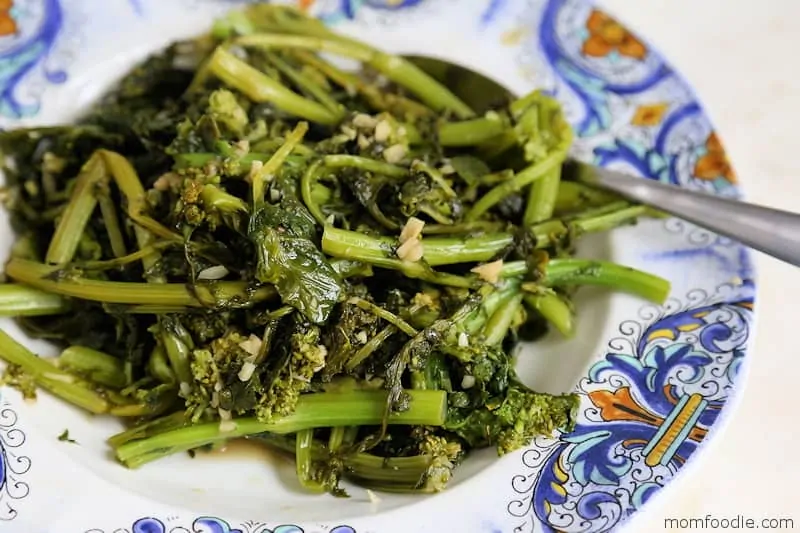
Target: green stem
555,309
367,164
561,272
215,198
542,197
97,366
109,212
219,293
51,378
453,250
499,323
461,133
395,68
306,84
409,470
158,366
388,316
200,159
19,300
606,220
491,304
261,88
346,80
81,205
517,183
372,250
550,232
379,251
271,167
177,346
146,229
426,408
169,422
369,348
573,196
434,375
303,460
307,183
336,438
117,262
478,226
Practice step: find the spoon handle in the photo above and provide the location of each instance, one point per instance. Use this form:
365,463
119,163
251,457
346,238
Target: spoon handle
771,231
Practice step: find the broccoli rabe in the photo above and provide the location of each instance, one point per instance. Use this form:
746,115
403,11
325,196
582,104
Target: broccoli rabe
510,422
244,240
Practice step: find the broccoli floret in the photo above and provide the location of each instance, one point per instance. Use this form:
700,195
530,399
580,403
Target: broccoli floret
15,376
225,109
207,326
445,456
513,421
215,372
303,358
349,329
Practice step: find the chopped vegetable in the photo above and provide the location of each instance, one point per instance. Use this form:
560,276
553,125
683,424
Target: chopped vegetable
242,240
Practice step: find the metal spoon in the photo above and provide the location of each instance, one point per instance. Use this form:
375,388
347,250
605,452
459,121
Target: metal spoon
771,231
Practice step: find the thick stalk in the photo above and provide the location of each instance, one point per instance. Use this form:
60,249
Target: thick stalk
109,212
148,429
437,251
499,323
367,249
261,88
51,378
555,309
408,470
97,366
395,68
542,197
304,461
313,410
308,85
565,272
19,300
220,293
74,218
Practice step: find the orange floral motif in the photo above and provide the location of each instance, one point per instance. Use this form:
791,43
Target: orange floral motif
607,35
305,4
714,163
8,25
620,405
649,115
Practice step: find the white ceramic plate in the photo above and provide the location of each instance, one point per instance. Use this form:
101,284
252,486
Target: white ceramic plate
655,381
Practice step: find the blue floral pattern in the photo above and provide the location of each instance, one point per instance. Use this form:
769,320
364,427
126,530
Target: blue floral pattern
646,407
630,112
210,524
13,464
652,399
25,54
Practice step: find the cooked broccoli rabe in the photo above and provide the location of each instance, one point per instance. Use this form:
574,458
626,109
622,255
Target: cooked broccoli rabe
242,240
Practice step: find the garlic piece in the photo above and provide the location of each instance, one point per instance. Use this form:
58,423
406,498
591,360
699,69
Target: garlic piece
412,229
395,153
489,272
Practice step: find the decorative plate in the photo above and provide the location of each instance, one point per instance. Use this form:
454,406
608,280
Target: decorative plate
655,382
